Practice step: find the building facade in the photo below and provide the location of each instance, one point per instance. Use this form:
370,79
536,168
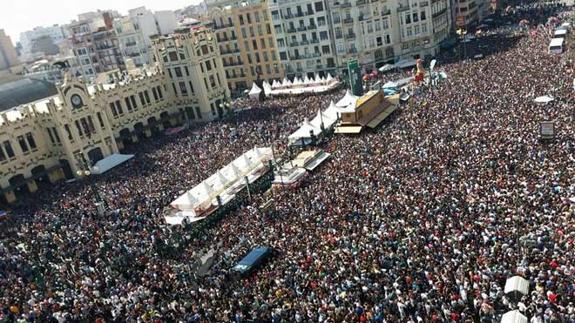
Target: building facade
134,32
95,45
196,76
8,55
53,138
247,43
305,36
28,39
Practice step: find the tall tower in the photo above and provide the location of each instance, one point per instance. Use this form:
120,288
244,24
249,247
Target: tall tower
8,55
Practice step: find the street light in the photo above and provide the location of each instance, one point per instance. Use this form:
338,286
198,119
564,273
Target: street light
462,32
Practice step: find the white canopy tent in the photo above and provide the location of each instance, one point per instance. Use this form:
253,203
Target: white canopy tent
387,68
204,194
304,132
255,91
322,117
405,63
514,317
516,284
544,99
110,162
267,88
348,99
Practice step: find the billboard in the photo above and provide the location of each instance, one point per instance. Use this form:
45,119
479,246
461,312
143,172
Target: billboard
354,73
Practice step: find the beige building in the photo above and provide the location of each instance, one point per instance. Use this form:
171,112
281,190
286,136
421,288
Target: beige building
196,77
247,42
8,55
53,138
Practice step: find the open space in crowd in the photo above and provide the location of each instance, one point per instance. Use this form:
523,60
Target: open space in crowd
421,220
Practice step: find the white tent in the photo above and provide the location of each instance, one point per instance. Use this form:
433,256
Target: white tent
386,68
304,131
331,111
329,77
516,284
255,91
306,80
406,63
544,99
267,88
110,162
285,82
316,78
513,317
322,117
347,100
275,84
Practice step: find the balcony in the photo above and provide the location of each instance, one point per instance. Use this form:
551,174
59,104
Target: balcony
402,8
231,51
301,28
386,12
311,27
294,44
309,13
218,27
314,41
291,30
233,64
338,36
336,20
319,66
304,42
346,5
350,36
305,56
348,20
130,44
439,13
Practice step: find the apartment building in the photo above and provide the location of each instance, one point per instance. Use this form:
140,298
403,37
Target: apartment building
466,12
49,139
304,36
247,43
134,32
95,45
197,80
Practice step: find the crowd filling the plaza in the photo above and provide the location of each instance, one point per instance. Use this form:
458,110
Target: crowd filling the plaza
420,220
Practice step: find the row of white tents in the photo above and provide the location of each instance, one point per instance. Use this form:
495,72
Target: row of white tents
225,183
317,84
324,120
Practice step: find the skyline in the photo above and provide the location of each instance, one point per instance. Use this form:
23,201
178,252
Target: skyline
22,15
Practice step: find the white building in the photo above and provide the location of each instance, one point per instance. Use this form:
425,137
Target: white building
304,37
134,32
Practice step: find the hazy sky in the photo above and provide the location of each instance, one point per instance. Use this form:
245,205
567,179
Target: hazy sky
17,16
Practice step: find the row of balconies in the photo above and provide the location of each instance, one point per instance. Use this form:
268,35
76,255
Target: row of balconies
297,15
238,63
305,56
231,51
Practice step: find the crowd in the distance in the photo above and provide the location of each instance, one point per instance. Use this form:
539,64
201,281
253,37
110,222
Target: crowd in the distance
422,220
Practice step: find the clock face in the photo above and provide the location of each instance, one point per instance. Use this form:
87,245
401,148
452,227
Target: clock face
76,101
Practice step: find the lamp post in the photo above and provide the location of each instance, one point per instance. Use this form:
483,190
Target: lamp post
85,171
462,32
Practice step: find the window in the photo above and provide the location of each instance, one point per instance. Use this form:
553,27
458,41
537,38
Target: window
182,56
49,134
155,94
257,16
205,49
133,100
385,24
9,150
416,29
192,87
173,56
325,49
170,73
100,120
147,96
198,113
91,124
183,89
23,144
319,6
178,71
160,92
407,19
424,29
415,17
187,71
409,32
369,27
175,91
31,141
142,100
56,135
208,65
422,15
113,109
128,103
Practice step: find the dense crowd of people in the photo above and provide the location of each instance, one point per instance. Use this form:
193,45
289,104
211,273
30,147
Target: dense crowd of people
422,220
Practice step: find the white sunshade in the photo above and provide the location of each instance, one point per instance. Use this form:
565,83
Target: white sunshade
329,77
406,63
110,162
517,284
322,117
347,100
513,317
255,91
544,99
304,131
386,68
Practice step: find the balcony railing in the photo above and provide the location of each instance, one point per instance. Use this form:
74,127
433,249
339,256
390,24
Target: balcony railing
314,41
294,44
338,36
346,5
336,20
402,8
386,12
350,36
348,20
290,30
311,27
304,42
301,28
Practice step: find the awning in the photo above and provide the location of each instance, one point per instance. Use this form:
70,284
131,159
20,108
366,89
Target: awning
110,162
349,129
380,117
513,317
